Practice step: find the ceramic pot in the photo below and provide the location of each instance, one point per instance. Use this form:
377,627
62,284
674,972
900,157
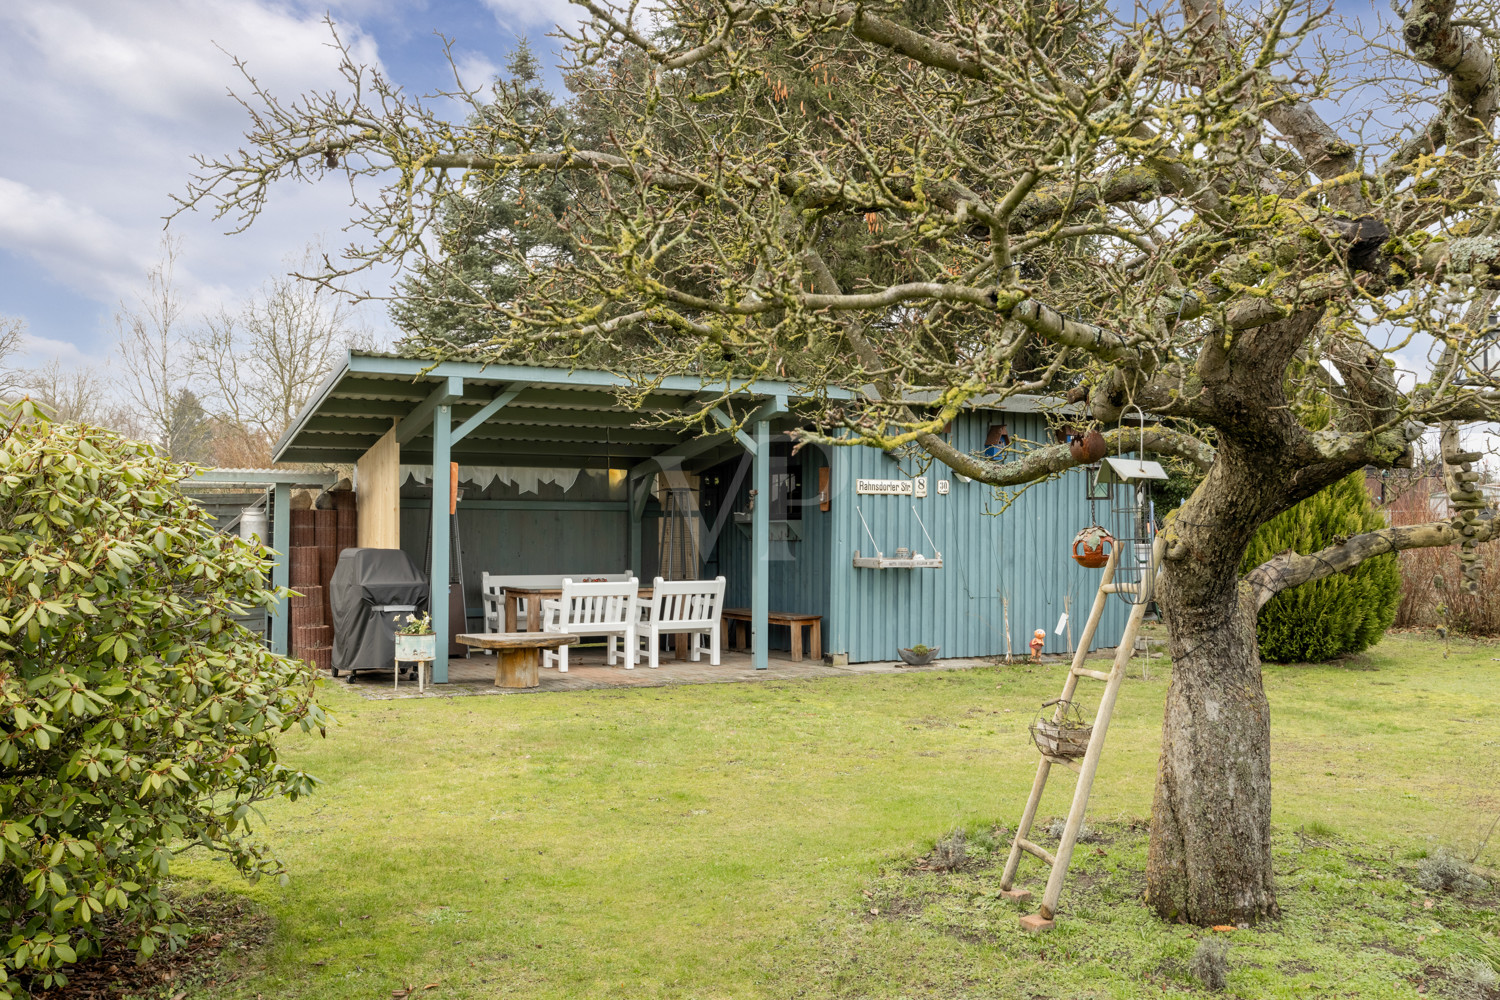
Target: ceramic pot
1089,547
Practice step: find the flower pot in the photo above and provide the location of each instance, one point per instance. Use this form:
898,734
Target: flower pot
1089,547
912,659
416,647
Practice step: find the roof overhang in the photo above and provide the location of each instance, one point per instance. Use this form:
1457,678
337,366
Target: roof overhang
527,415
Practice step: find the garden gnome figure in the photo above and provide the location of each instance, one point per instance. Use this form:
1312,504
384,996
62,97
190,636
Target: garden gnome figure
1038,640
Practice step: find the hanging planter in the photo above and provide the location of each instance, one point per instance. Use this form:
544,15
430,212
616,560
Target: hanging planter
1063,734
1089,547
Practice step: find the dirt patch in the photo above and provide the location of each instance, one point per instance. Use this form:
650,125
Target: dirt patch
222,925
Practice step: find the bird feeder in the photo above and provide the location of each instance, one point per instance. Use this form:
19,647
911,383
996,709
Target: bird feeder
1134,527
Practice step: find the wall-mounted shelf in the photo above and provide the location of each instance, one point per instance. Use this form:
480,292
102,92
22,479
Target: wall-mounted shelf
901,560
904,557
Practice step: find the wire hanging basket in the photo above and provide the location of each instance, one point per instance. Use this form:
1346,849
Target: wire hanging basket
1063,733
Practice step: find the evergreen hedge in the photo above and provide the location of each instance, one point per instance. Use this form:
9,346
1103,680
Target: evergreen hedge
1341,614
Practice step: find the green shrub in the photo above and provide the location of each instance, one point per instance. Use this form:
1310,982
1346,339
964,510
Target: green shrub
137,720
1338,615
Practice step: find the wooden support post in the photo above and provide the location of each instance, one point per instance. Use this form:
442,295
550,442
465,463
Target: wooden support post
760,565
281,542
437,579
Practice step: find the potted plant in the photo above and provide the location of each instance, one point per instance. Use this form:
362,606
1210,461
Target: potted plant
918,655
415,640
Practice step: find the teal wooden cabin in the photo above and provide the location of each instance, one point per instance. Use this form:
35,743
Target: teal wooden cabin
558,477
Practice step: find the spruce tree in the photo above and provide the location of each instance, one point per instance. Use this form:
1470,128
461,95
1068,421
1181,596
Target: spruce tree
1340,614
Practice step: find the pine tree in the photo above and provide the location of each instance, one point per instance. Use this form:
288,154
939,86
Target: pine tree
1338,615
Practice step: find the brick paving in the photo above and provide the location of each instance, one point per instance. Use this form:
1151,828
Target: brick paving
475,675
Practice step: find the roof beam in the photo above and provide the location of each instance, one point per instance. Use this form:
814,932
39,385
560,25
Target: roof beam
603,437
745,440
421,417
367,364
773,407
678,453
487,410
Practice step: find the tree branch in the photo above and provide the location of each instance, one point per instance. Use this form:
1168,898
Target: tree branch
1055,459
1289,569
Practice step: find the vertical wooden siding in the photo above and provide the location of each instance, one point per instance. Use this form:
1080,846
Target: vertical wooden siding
379,486
799,569
1022,554
543,539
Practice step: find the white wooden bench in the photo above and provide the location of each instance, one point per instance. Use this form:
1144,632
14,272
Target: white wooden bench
605,609
685,607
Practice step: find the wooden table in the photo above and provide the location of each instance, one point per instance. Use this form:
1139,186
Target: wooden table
799,624
511,597
518,655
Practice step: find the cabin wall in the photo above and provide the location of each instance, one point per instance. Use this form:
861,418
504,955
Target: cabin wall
580,531
1023,554
799,569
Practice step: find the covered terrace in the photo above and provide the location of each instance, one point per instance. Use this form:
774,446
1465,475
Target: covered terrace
380,412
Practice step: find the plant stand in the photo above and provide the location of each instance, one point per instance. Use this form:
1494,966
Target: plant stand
1140,594
418,649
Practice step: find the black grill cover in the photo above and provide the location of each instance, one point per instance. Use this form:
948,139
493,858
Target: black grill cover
365,582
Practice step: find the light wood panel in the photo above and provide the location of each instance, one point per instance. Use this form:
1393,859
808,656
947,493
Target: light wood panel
379,488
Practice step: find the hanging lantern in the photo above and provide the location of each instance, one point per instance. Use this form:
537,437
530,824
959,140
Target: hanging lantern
1089,549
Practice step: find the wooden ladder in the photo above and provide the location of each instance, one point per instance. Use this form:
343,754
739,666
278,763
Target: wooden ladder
1043,919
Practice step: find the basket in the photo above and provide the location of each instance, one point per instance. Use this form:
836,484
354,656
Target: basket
1063,733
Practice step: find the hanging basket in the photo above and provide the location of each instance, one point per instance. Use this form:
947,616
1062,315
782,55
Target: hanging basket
1063,733
1089,547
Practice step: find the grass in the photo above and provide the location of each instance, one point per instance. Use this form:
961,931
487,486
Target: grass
731,841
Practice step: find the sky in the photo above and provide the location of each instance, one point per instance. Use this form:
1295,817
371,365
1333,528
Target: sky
104,103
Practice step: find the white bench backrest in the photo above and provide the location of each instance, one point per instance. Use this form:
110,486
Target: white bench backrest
585,604
493,583
687,602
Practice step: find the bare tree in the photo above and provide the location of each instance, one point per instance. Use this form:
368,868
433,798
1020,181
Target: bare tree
1056,199
75,394
259,365
153,350
12,333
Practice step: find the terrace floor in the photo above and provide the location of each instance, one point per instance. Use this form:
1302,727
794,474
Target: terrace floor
475,675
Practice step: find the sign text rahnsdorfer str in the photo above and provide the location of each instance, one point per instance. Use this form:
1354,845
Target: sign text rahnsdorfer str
892,487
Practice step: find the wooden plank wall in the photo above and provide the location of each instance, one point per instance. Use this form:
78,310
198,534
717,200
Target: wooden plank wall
379,487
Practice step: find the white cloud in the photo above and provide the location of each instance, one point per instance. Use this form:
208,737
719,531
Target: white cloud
167,60
74,241
109,101
515,16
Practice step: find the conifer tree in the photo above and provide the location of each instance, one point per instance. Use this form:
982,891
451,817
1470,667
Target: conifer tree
1337,615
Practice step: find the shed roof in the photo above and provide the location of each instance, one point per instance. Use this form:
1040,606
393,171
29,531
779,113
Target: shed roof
548,416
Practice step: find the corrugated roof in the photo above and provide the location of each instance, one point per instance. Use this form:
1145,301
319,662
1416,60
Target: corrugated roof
550,415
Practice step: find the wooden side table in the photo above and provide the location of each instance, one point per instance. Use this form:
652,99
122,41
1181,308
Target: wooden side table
518,655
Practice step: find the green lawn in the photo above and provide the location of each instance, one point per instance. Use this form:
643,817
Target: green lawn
731,840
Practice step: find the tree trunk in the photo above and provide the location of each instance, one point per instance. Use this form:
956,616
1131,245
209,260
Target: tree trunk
1210,855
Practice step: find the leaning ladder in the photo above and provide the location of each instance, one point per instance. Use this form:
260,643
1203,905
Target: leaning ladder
1043,919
